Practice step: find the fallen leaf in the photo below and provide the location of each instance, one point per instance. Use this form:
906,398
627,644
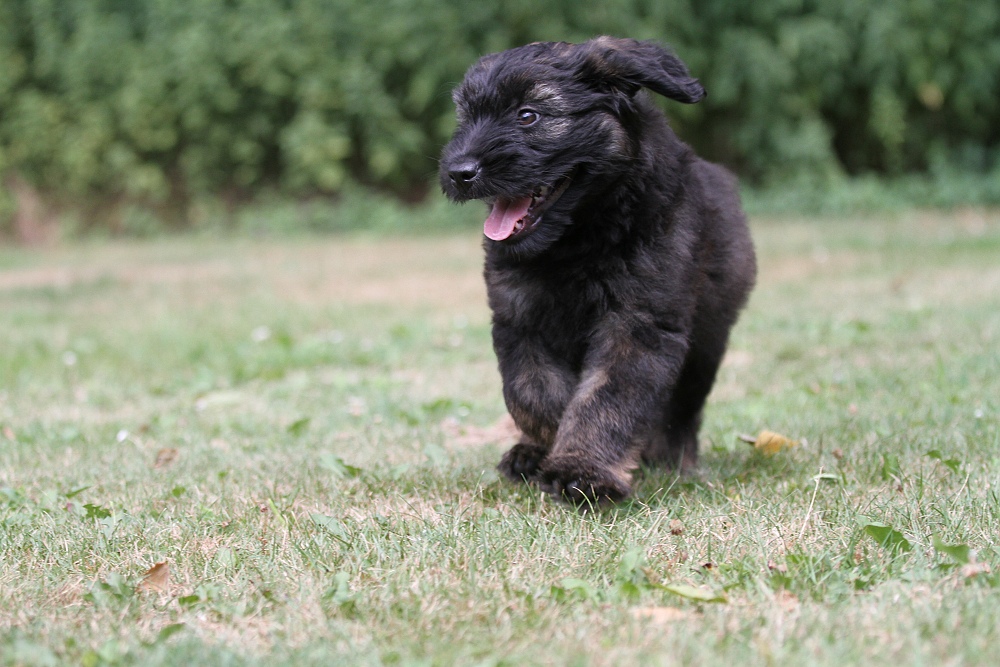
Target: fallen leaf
960,553
96,511
334,464
165,457
887,536
952,464
770,443
168,631
660,614
676,527
574,588
156,578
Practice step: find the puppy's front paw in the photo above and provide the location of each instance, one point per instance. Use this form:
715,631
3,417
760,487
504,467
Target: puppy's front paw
521,461
582,482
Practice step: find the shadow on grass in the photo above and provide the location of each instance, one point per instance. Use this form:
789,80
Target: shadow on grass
654,489
658,488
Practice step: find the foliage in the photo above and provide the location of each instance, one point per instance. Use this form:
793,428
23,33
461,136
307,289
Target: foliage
159,101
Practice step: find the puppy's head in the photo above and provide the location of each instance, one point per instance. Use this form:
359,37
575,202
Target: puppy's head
541,124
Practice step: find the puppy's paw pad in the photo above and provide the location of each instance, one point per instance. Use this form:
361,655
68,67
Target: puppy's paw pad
521,461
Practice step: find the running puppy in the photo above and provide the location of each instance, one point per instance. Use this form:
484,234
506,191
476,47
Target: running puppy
617,260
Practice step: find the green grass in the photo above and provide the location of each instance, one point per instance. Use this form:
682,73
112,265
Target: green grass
332,497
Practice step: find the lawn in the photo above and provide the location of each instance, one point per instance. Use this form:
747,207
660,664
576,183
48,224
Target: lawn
304,432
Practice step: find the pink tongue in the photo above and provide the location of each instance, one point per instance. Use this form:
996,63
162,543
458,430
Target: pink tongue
505,214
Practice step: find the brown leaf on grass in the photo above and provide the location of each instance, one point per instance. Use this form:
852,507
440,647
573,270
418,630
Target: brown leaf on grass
165,457
769,443
662,615
156,578
676,527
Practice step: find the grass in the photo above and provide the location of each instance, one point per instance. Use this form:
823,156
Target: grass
305,431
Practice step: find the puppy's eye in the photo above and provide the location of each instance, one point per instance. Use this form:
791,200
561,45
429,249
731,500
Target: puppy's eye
527,117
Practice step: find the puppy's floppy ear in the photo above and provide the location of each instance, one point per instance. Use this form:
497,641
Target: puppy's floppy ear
628,65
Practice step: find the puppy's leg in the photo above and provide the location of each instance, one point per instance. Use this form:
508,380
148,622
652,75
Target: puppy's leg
630,368
678,446
675,445
536,389
520,462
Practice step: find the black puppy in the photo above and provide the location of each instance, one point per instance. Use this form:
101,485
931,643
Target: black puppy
616,259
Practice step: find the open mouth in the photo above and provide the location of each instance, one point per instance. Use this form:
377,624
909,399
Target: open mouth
511,218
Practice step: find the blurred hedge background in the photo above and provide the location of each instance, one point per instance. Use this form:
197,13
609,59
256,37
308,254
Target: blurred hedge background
160,106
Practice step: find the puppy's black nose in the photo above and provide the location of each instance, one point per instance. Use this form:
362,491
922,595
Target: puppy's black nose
464,174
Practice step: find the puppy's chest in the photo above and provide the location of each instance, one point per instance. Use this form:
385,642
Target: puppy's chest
555,304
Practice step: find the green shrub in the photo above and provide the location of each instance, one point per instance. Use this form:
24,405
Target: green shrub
166,101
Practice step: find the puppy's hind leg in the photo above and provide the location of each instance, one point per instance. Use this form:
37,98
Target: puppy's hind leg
667,444
676,444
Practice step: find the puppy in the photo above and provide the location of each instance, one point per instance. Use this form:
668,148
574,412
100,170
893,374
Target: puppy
617,260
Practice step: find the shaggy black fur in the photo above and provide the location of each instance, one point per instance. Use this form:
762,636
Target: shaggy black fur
616,260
